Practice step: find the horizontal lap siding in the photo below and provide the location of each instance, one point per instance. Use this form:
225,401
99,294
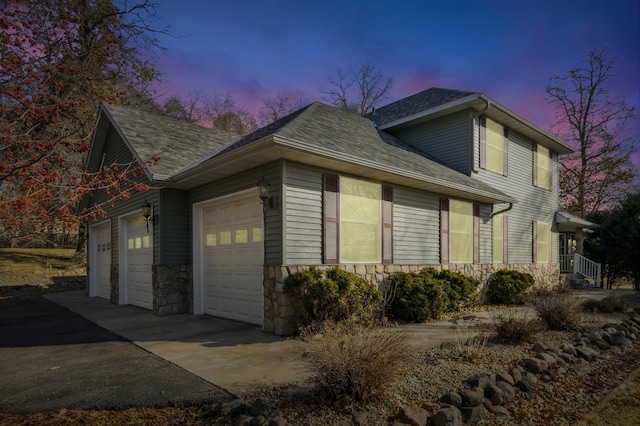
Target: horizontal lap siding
303,215
174,227
247,181
446,139
416,227
533,204
117,152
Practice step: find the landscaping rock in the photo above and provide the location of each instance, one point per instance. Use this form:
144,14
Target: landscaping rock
516,374
535,365
414,416
568,348
508,390
452,398
447,416
481,380
548,358
586,353
538,347
474,414
495,394
471,398
526,383
505,377
233,407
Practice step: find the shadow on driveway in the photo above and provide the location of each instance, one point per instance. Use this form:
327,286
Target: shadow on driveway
51,358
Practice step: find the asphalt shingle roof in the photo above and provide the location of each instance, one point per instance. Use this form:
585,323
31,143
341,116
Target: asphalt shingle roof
350,136
177,143
414,104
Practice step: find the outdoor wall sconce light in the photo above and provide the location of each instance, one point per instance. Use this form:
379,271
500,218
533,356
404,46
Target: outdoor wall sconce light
267,202
147,213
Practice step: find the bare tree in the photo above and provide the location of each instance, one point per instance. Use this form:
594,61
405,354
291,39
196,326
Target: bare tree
358,90
275,108
599,174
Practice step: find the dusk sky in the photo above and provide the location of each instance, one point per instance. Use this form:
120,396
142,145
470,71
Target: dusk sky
505,49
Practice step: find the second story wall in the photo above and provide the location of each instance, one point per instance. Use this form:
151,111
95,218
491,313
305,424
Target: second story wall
446,139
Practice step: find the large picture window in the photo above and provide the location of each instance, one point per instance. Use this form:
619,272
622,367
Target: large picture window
498,238
358,221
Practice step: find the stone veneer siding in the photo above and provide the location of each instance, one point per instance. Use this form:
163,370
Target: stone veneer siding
279,313
172,289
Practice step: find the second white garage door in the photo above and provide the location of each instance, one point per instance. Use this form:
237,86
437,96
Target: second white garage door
232,259
139,260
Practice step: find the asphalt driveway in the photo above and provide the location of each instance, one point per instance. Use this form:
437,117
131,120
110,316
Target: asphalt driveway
51,358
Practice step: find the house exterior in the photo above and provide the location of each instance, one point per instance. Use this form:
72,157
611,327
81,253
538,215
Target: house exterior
443,178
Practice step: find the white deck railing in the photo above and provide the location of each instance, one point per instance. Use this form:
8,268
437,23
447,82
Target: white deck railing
587,268
566,263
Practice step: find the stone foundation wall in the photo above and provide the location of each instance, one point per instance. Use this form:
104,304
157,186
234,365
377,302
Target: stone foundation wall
279,313
115,284
172,289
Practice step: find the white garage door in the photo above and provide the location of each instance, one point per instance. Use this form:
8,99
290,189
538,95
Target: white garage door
139,260
232,259
100,237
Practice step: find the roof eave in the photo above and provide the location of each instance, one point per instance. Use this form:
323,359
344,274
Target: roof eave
276,147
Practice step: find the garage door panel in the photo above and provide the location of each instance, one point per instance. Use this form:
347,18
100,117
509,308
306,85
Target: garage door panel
139,260
232,255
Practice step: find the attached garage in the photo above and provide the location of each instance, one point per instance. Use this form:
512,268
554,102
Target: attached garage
100,260
136,264
230,258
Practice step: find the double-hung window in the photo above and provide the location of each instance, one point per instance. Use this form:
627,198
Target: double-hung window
541,167
494,144
541,242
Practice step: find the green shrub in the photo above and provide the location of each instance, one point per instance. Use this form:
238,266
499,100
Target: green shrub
558,311
509,287
419,297
461,289
336,295
355,362
425,295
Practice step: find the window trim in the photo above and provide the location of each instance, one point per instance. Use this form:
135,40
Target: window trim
536,259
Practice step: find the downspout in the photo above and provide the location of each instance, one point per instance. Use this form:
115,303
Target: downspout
502,211
474,117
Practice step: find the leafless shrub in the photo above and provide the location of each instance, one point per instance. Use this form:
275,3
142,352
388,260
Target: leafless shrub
607,305
515,327
470,338
557,311
356,362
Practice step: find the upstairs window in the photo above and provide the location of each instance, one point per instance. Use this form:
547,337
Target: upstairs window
541,167
494,145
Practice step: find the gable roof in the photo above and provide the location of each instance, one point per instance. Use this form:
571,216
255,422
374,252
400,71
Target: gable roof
325,136
435,102
177,143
